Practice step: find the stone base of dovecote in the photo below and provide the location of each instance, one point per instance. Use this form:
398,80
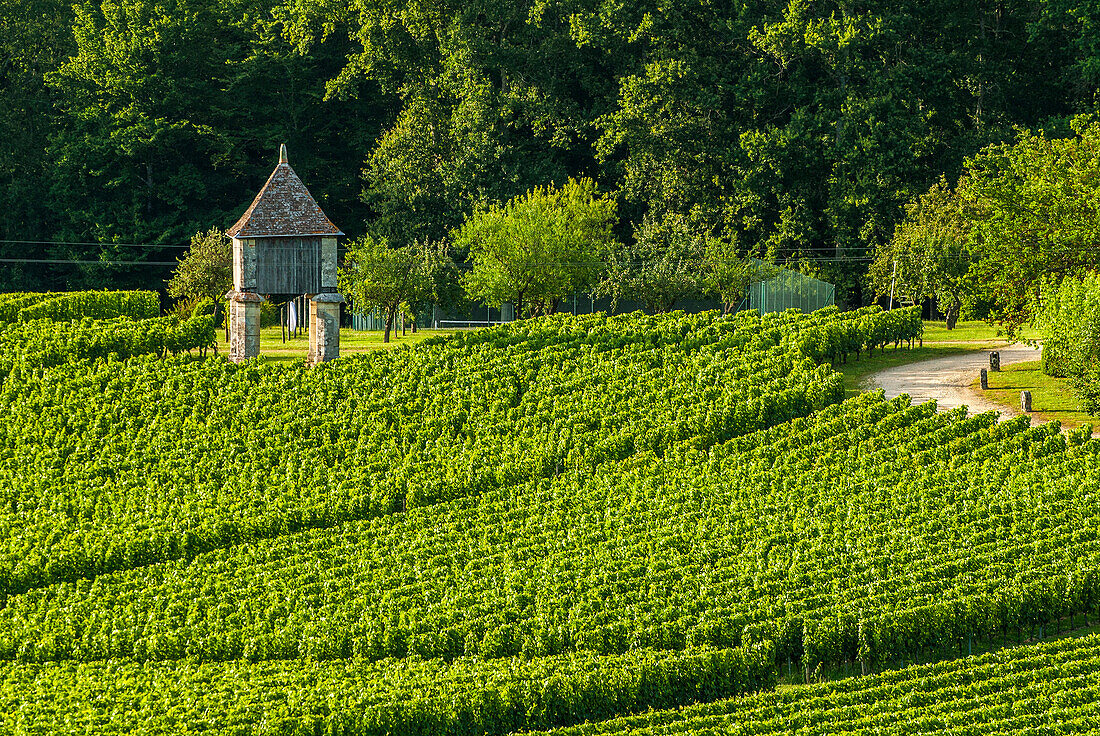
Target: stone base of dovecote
244,325
324,328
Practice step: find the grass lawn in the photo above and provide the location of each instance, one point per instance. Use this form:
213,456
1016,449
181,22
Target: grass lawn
1051,398
273,348
970,333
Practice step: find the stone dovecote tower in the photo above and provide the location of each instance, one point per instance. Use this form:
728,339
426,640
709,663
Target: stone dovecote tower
283,246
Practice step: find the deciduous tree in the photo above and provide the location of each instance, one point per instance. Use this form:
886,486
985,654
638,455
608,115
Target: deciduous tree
1033,203
929,255
661,266
206,270
389,279
537,248
729,273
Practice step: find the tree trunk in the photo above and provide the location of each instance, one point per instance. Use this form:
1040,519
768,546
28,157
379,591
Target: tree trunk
389,325
148,188
953,312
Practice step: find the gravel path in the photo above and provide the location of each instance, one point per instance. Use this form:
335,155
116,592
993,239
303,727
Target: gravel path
948,379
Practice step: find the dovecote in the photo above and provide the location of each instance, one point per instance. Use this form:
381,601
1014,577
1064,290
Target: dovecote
284,245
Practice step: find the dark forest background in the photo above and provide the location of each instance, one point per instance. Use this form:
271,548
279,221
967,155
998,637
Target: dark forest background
796,129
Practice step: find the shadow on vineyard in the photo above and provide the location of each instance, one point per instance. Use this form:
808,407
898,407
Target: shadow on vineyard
1070,627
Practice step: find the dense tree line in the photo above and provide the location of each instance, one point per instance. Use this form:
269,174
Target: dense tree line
793,129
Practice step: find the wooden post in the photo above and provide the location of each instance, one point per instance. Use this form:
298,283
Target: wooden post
985,380
995,361
1025,401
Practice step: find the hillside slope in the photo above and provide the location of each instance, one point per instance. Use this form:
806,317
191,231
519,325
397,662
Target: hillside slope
561,521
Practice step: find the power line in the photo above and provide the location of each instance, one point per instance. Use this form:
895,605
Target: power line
68,242
88,263
130,245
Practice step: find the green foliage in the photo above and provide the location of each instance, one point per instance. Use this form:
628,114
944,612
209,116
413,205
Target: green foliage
204,306
825,337
487,424
35,37
45,343
579,517
796,130
12,303
466,697
1008,692
730,274
1033,204
1070,324
660,267
383,278
163,120
929,256
206,270
269,314
538,248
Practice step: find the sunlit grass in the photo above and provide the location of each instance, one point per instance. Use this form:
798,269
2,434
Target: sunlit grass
274,348
1051,398
971,332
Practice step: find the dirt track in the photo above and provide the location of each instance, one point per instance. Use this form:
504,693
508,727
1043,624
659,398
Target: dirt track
948,379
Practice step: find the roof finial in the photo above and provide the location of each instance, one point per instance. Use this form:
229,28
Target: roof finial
282,153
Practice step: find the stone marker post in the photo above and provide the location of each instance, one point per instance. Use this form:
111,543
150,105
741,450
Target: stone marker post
995,361
1025,402
985,380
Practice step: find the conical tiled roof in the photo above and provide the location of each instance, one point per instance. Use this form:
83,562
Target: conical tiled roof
283,207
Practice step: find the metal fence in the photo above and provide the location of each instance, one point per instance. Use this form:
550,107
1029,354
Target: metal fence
787,290
790,290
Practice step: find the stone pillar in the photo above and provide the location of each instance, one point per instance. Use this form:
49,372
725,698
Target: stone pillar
328,265
985,380
244,264
244,325
995,361
1025,402
324,328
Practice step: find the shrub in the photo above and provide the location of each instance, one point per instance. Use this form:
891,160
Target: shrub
1069,319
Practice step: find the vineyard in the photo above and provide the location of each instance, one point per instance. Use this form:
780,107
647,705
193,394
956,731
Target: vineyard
1047,689
562,521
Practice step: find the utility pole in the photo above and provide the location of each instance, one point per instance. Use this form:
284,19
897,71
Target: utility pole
893,278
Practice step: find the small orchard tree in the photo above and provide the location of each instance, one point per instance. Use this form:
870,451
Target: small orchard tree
539,247
206,270
728,273
1033,206
661,267
378,276
438,282
931,250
